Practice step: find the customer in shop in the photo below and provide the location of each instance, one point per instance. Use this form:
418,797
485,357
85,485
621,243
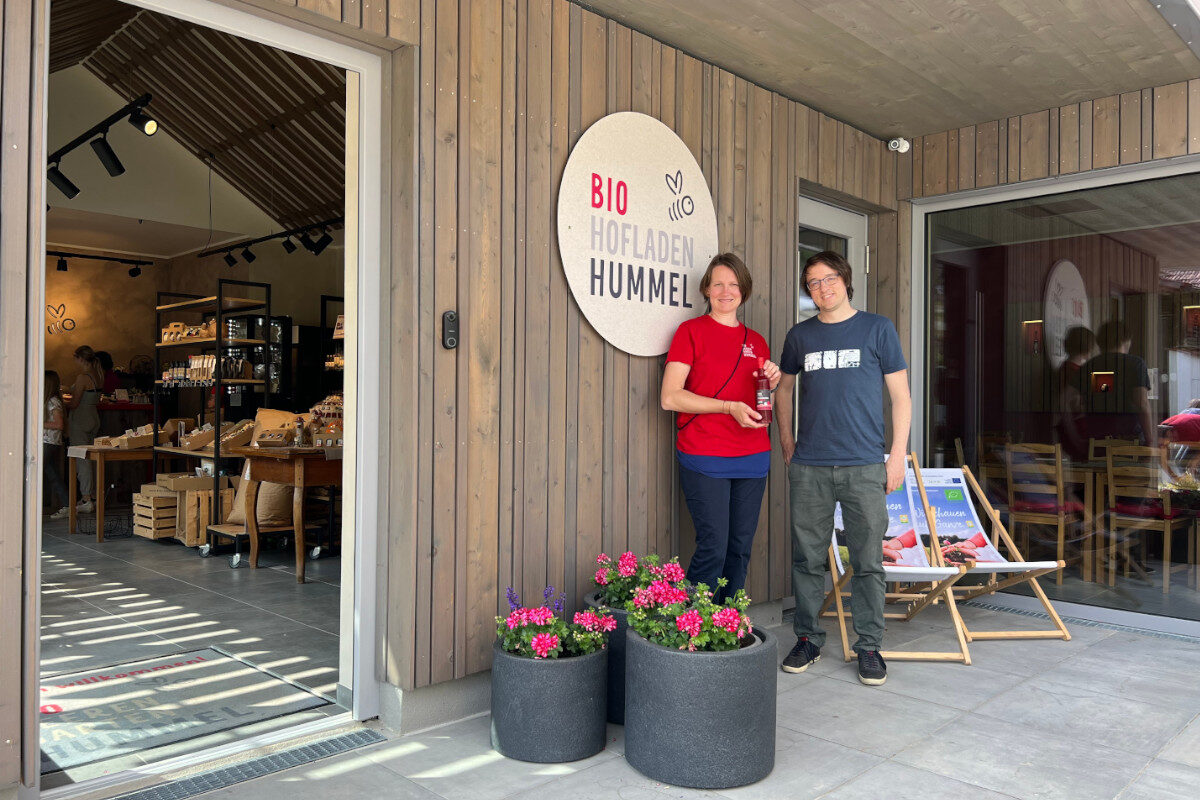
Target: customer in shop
1080,345
844,359
722,444
52,427
112,380
84,421
1116,385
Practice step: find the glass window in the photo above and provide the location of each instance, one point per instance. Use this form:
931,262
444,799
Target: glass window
1073,321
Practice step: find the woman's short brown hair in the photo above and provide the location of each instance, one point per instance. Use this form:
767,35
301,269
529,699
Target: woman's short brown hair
733,262
836,262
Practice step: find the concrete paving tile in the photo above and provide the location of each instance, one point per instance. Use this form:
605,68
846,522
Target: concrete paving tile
1157,674
611,779
351,776
893,780
456,761
1022,761
1080,713
949,684
860,717
805,767
1164,780
1185,748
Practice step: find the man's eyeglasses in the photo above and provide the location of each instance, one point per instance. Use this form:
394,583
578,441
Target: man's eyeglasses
828,280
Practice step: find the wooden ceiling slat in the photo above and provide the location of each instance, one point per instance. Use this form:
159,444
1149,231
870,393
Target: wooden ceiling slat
273,122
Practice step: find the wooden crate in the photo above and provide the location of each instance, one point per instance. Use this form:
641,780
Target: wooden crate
196,514
154,515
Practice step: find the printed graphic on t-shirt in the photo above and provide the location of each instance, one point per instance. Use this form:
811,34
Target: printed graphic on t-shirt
832,359
748,351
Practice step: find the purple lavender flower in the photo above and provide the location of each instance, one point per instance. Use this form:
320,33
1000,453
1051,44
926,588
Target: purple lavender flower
514,600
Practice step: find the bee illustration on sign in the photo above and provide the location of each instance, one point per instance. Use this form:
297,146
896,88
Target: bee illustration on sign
682,206
59,321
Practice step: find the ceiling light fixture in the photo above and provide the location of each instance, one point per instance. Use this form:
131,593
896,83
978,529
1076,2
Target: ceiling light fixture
63,255
247,256
289,245
62,264
143,121
230,260
307,241
107,157
134,110
61,182
322,243
135,271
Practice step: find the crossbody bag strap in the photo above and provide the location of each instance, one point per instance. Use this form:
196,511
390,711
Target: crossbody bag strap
737,361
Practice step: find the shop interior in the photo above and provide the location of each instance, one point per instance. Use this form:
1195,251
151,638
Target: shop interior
1065,331
194,347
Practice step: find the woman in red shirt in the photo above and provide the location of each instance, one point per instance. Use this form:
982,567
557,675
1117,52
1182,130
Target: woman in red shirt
722,444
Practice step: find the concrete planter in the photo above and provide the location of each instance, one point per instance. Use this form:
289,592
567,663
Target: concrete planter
616,660
548,710
701,720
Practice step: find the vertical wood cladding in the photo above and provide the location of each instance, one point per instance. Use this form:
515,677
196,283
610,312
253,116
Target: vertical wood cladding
538,444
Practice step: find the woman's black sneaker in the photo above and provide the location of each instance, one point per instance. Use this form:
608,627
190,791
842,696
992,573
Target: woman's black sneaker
871,669
804,654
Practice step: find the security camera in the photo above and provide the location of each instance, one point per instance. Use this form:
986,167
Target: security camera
899,145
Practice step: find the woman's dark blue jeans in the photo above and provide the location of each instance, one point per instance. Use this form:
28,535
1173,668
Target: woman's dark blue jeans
725,514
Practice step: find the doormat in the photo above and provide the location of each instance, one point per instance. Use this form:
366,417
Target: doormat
97,714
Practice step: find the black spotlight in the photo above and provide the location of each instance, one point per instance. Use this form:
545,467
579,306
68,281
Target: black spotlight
230,260
61,182
307,241
289,245
322,243
247,256
106,155
62,264
143,122
134,271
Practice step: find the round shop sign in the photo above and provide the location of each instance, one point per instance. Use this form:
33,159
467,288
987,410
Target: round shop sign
1065,307
636,230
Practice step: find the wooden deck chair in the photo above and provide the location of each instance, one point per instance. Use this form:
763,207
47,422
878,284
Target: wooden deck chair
910,566
964,537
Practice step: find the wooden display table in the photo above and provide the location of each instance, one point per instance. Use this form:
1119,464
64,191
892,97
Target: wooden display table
101,455
298,467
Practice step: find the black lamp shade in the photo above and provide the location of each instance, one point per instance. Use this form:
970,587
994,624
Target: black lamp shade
143,122
289,245
247,256
107,157
61,182
307,241
62,264
134,271
230,260
322,243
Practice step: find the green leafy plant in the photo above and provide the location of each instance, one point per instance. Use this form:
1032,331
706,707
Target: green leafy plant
617,580
688,619
541,631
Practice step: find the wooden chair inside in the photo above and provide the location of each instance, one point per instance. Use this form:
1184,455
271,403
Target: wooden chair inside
1138,503
1098,448
958,451
989,458
1037,494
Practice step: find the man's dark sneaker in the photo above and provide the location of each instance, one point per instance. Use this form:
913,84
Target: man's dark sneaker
871,669
804,654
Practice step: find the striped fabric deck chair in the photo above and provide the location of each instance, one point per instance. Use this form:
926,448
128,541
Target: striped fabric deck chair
906,564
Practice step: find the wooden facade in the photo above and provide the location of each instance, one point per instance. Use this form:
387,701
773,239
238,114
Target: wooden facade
1129,128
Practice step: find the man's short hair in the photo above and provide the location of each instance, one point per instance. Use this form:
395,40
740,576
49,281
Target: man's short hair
1112,335
836,262
1079,341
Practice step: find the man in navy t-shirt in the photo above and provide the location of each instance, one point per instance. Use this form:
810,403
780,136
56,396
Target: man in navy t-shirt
844,358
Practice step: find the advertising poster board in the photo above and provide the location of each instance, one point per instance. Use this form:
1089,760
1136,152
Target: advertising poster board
960,534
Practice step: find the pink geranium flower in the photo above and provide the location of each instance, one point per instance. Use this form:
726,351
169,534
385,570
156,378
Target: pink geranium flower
543,643
602,577
729,619
690,622
672,572
627,564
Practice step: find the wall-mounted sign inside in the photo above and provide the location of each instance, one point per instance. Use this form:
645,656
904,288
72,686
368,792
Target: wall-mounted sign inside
636,230
1065,307
59,321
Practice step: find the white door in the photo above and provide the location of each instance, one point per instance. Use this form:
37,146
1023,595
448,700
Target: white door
826,227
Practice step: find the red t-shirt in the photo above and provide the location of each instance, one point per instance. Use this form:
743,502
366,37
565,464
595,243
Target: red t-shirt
711,349
1185,427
